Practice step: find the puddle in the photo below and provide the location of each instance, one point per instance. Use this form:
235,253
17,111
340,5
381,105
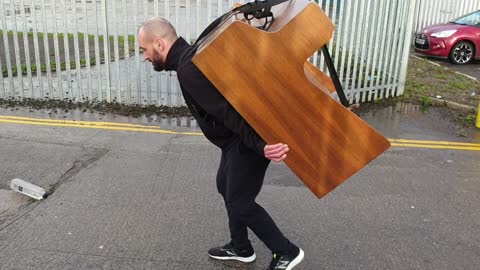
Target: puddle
401,120
411,121
184,122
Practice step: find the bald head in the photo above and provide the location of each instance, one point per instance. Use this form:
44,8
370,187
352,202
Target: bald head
158,27
155,37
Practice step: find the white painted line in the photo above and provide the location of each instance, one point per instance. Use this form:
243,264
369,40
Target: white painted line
433,63
438,65
426,59
468,76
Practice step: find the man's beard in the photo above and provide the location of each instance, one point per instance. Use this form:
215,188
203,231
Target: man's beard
157,63
158,66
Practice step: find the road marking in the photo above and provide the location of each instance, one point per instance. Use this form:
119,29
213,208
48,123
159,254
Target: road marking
423,142
64,121
155,129
446,67
466,75
92,125
436,146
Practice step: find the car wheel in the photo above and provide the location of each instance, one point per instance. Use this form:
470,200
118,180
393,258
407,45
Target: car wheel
462,53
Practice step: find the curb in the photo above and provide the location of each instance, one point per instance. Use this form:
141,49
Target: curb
453,105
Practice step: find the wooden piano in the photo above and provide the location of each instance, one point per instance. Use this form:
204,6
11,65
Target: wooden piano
266,77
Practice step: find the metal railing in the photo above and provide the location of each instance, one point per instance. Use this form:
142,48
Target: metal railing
87,50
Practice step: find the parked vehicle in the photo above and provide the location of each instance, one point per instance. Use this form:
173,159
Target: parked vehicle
458,40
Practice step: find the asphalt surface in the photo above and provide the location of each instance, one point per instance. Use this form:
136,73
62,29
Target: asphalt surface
129,197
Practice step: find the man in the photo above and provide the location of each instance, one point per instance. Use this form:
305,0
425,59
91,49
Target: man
245,156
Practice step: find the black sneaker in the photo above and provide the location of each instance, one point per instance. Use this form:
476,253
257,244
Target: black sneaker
286,262
227,252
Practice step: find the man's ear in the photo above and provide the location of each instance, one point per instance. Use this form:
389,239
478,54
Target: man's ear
159,44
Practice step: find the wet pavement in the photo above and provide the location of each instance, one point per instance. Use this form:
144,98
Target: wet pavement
130,197
412,121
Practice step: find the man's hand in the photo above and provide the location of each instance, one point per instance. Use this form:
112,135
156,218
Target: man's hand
276,152
353,106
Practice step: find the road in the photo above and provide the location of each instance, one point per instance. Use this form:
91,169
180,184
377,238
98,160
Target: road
139,193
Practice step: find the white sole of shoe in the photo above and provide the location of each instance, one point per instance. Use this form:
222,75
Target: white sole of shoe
296,261
240,259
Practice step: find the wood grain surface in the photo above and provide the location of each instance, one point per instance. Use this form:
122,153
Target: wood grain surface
264,75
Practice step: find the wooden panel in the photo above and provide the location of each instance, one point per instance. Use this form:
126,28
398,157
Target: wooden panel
318,78
264,75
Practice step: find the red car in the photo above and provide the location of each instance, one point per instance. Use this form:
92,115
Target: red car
458,40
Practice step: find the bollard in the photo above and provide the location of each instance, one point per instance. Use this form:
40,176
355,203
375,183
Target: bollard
478,116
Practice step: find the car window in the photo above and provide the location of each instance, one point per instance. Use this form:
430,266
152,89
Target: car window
472,19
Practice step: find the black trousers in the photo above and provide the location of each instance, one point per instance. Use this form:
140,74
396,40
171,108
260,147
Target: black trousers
239,180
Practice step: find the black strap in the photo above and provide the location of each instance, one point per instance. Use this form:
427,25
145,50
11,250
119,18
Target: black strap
258,9
334,76
212,26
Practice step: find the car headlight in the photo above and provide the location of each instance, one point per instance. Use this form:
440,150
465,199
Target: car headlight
444,34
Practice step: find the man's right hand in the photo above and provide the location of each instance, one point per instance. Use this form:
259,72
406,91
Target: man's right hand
276,152
353,106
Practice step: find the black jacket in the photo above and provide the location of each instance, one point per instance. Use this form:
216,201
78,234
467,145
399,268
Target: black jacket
219,121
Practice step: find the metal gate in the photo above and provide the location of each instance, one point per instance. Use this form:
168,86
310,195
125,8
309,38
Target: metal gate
86,50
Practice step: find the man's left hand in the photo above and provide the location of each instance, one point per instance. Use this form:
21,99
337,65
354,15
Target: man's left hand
276,152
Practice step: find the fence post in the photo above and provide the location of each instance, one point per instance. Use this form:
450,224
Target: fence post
106,48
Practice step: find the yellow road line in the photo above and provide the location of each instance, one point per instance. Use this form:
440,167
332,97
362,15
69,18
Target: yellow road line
155,129
433,142
152,130
64,121
436,146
